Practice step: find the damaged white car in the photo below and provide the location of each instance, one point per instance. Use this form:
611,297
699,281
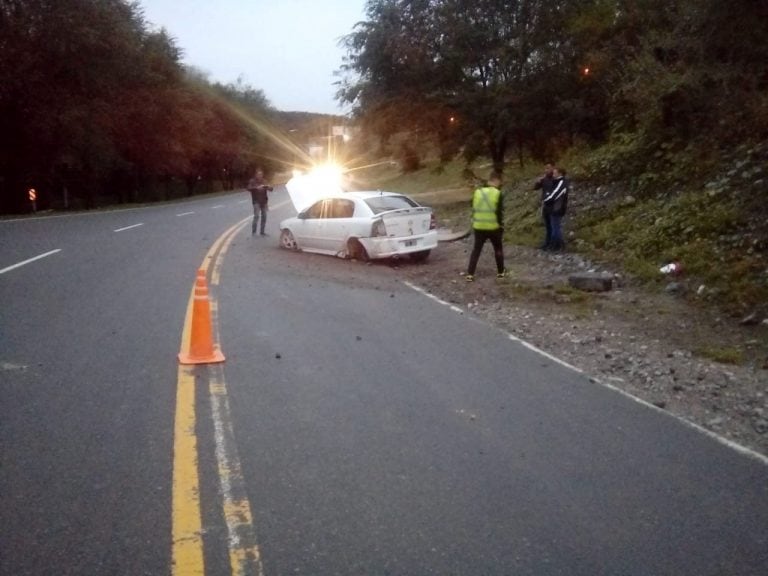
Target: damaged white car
362,225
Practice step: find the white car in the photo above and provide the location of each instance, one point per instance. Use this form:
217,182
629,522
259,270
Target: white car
362,225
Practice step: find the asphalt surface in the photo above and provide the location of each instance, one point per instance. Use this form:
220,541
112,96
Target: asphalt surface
377,431
88,344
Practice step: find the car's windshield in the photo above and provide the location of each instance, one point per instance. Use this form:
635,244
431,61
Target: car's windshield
385,203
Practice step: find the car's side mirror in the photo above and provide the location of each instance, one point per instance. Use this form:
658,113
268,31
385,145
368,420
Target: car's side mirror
303,215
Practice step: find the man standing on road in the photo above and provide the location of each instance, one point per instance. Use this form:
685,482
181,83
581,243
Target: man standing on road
488,224
546,184
259,189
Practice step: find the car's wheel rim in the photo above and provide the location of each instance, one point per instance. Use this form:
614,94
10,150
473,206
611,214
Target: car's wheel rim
287,240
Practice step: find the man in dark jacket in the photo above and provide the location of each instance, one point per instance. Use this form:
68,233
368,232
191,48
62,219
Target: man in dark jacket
259,190
555,206
546,184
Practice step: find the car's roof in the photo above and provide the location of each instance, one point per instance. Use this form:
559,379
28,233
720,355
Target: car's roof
365,194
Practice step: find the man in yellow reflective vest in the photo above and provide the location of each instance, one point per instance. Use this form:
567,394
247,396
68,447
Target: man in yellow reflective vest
488,224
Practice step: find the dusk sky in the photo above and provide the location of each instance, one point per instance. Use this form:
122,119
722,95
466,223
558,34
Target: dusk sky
289,49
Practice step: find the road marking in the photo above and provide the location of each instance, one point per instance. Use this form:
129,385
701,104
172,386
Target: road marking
129,227
762,458
217,206
187,522
20,264
543,353
184,214
187,543
244,554
8,367
722,440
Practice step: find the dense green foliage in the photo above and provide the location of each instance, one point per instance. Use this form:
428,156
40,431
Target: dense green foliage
537,76
96,108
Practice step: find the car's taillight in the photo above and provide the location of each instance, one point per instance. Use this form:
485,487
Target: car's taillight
432,221
378,228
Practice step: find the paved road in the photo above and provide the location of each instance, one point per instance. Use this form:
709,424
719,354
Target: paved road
88,343
363,427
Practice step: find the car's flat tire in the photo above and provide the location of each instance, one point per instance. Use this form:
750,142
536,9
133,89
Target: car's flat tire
287,240
356,251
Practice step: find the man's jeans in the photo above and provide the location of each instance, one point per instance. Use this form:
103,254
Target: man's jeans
547,218
259,209
555,223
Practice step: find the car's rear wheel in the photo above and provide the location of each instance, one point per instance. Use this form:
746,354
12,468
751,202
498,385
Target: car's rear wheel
420,256
356,251
287,240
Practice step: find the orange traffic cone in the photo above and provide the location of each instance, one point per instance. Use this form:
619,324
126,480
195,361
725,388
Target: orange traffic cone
201,350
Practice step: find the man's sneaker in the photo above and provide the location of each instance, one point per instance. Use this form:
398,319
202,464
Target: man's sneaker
469,278
501,275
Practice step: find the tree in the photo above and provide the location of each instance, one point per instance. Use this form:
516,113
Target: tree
96,107
485,73
69,61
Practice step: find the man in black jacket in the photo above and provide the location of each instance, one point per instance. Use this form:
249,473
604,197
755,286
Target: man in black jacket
546,184
555,206
259,190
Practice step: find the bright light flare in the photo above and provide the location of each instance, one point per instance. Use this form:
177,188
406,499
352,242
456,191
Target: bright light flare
327,176
321,181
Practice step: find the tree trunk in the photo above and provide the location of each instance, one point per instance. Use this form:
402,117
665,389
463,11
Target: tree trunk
497,146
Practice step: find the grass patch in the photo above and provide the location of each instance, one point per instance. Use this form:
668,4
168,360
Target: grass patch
722,355
568,294
563,295
518,290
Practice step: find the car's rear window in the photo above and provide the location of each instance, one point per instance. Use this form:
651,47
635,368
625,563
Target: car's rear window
384,203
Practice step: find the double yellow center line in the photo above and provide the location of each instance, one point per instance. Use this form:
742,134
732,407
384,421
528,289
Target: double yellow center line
187,547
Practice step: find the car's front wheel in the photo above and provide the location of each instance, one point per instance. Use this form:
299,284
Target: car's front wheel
287,240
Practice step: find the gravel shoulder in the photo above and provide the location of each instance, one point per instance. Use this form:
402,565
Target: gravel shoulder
646,344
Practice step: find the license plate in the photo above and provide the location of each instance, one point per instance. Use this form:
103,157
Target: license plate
410,242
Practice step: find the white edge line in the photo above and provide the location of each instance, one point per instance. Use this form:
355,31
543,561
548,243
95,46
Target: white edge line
217,206
763,459
184,214
129,227
241,532
20,264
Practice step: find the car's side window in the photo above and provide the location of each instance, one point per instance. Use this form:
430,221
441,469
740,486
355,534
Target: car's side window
342,208
327,211
332,208
319,209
